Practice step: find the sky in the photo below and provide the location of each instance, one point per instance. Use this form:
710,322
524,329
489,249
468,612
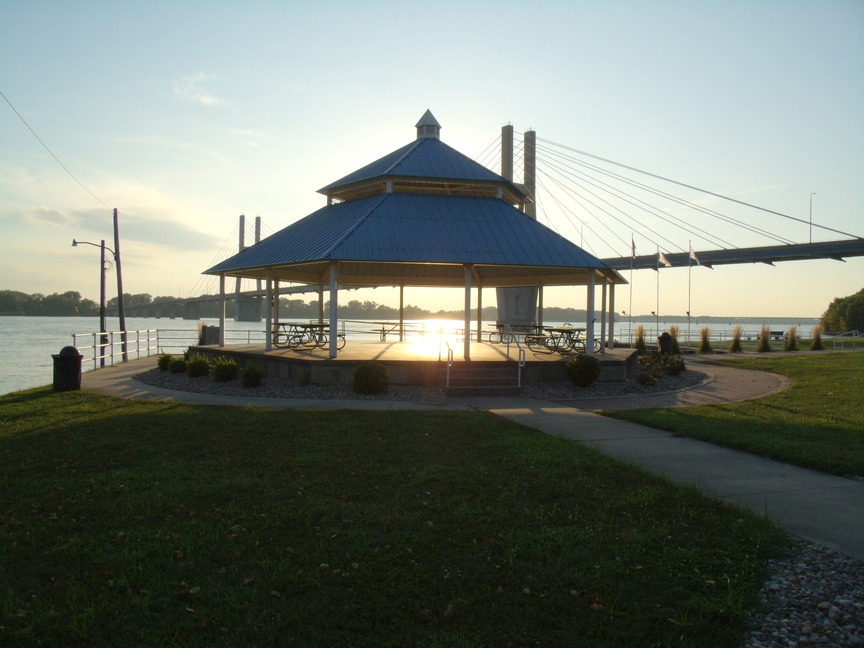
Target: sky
183,115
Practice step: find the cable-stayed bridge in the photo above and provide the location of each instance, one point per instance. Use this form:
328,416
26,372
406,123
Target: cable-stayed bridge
614,211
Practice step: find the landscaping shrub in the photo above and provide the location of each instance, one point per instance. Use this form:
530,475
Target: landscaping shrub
655,365
197,366
764,337
816,344
790,343
735,347
583,370
705,342
164,361
639,345
371,378
224,369
673,332
251,375
177,365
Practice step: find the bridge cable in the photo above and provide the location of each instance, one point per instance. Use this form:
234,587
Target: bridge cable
705,191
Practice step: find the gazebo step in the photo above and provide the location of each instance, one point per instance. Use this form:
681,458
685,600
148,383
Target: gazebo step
482,391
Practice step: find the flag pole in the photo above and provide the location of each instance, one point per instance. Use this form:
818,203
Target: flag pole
691,257
632,259
657,313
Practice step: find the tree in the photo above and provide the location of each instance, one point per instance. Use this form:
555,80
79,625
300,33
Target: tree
845,314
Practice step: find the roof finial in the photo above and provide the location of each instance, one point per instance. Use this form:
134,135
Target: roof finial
428,126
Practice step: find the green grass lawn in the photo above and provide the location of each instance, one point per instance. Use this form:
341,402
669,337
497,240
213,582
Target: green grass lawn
159,524
818,423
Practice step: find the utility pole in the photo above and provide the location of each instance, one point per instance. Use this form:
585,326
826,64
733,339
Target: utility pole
120,310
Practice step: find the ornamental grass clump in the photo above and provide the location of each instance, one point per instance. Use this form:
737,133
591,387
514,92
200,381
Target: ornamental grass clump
735,347
673,333
371,378
816,344
790,343
197,366
639,345
705,341
252,375
583,370
764,337
224,369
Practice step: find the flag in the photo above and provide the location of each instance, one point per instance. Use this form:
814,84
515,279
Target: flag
661,258
693,256
632,248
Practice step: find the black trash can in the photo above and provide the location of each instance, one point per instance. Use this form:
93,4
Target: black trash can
67,369
664,342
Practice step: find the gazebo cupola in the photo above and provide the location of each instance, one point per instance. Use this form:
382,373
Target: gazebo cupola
428,126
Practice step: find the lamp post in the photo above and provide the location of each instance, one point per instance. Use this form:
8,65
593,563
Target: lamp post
102,247
811,215
116,254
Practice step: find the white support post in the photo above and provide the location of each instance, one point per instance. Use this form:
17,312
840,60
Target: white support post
222,310
334,308
603,318
479,313
611,343
467,336
268,315
589,324
401,313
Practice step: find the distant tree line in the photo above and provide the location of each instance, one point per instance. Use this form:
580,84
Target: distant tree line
13,302
845,314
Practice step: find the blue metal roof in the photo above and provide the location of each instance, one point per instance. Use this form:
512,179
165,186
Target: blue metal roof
415,228
423,158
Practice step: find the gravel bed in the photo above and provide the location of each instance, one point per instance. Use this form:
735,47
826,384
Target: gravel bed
272,388
813,597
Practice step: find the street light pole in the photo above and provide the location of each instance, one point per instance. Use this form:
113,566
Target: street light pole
811,216
102,271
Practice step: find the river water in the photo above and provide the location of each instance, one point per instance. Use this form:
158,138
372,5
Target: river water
27,343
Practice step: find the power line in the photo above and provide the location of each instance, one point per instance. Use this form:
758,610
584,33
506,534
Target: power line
45,146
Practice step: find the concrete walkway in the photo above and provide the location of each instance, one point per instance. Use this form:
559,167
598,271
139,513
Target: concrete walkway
821,508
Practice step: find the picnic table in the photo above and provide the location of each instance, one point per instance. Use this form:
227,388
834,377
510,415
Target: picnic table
295,335
388,328
560,339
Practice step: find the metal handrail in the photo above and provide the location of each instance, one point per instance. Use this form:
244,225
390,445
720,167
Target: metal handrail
104,344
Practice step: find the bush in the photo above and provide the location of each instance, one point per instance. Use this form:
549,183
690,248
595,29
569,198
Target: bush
583,370
224,369
197,366
790,343
673,332
252,375
371,378
764,339
705,341
735,347
164,362
177,365
816,345
655,365
639,345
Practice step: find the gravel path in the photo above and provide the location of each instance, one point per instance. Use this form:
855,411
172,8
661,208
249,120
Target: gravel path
813,597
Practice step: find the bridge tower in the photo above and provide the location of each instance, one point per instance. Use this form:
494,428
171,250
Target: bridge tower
519,305
247,308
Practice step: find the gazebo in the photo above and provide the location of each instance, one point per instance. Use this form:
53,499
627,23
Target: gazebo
423,215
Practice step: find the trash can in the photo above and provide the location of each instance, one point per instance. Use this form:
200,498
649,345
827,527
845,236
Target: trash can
67,369
664,342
